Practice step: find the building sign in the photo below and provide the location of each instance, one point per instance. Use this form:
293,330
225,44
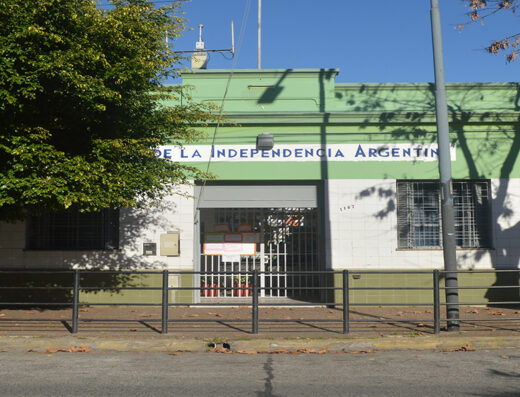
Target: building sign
303,152
230,249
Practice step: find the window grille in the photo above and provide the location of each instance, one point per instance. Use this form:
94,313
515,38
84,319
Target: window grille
419,214
72,229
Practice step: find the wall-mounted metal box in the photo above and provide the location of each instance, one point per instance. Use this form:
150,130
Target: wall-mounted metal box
170,244
149,249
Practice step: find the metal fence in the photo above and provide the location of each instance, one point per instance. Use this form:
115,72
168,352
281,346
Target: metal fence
337,292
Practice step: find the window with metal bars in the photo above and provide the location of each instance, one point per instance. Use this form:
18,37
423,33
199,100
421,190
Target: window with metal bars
419,214
73,230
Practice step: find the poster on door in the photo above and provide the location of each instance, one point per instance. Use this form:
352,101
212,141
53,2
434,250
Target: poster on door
229,249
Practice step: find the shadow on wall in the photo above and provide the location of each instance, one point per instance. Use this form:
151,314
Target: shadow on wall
503,144
137,225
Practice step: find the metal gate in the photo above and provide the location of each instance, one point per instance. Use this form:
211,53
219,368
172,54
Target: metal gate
286,240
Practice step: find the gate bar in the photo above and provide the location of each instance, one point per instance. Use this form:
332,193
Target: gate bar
436,303
165,301
255,302
346,303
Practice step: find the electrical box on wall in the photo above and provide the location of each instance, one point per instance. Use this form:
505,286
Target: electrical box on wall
149,249
170,244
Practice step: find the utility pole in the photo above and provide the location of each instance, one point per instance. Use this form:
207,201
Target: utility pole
259,34
443,139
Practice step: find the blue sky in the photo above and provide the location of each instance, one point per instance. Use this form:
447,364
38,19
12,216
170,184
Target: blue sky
369,41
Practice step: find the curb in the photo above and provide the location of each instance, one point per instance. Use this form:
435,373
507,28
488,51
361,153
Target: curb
390,343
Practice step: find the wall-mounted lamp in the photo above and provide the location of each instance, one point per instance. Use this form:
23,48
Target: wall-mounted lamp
264,141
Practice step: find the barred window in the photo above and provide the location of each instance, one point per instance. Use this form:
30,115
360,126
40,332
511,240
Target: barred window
419,214
74,230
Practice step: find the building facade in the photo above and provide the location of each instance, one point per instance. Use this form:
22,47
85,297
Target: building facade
351,183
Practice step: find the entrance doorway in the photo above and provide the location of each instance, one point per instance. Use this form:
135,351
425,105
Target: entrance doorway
277,242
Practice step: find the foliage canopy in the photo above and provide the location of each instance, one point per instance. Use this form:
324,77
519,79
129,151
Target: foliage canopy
82,105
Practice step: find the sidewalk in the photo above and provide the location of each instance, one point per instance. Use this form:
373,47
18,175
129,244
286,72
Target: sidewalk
280,328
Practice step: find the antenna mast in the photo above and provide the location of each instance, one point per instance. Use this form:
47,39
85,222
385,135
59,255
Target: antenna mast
259,34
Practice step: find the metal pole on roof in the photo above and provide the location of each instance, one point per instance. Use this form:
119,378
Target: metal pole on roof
443,139
259,34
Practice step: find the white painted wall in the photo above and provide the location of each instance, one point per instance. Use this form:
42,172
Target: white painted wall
363,234
363,229
137,226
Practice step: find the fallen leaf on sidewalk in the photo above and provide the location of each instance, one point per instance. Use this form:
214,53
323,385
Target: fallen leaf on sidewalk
505,356
359,351
194,315
428,311
312,351
465,348
79,349
496,313
420,325
212,314
72,349
246,352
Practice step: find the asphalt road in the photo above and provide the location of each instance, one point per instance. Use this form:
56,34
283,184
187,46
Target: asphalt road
477,373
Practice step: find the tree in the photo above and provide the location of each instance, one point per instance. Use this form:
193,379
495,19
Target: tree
82,106
482,9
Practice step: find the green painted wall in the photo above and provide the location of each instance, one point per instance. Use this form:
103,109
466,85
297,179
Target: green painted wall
425,280
108,282
134,296
308,107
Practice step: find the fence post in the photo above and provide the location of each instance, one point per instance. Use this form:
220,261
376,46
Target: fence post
165,302
346,303
255,302
75,302
436,303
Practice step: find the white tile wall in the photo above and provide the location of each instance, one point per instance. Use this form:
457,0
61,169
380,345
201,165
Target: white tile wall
363,231
362,221
137,226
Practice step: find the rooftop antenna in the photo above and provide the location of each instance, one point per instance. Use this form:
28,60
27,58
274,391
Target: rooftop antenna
199,58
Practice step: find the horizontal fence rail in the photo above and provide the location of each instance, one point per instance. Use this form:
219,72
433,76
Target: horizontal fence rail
337,289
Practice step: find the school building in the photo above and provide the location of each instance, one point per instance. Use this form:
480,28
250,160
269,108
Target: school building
350,183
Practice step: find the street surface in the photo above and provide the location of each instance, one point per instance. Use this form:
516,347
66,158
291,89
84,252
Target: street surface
420,373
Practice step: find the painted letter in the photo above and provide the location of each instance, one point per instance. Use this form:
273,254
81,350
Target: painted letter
360,152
